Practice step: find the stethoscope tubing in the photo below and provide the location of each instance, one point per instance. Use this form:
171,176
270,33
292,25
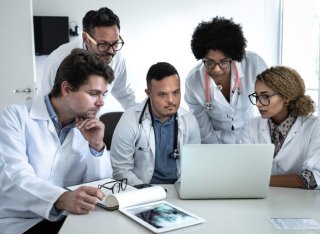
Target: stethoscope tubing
175,153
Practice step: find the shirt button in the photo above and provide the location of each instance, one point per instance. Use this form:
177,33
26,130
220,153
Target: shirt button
149,173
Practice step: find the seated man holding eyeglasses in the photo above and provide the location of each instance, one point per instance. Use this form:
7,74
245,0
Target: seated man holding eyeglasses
217,88
101,35
286,122
147,140
53,142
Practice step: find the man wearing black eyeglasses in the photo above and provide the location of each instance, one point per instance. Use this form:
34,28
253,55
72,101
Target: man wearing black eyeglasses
101,35
217,88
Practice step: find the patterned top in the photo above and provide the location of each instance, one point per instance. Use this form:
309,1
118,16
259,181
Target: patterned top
279,132
278,135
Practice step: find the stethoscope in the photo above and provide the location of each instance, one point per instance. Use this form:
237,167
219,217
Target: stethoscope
175,153
236,87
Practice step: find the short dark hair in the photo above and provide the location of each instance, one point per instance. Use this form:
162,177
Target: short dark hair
219,34
76,69
160,70
104,17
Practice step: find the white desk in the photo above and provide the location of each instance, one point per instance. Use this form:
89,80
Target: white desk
243,216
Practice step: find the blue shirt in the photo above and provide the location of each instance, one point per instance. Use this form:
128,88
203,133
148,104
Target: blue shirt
62,134
63,131
165,171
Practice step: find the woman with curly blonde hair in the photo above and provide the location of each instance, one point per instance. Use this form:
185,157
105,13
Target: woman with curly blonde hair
287,122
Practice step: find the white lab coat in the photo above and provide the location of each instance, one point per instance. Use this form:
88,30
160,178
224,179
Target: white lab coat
34,166
136,165
215,126
119,88
300,150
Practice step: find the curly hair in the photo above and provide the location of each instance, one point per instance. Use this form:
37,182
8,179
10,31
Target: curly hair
219,34
289,84
102,17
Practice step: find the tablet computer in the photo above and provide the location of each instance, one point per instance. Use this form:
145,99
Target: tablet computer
161,216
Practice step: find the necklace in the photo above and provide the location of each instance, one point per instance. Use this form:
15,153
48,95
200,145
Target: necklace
219,87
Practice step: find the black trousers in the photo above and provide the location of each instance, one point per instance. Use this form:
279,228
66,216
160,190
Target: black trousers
46,227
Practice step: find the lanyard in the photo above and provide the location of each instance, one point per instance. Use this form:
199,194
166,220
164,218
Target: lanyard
237,85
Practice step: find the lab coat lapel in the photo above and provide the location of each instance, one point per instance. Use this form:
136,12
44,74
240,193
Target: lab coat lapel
39,111
153,142
265,131
217,95
147,124
293,132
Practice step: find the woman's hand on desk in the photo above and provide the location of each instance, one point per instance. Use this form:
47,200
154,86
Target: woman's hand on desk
291,181
79,201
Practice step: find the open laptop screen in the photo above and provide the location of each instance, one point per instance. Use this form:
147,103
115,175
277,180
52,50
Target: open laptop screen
225,170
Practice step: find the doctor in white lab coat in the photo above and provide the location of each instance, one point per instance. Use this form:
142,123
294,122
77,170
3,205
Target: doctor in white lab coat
54,142
101,35
218,87
286,122
130,154
144,153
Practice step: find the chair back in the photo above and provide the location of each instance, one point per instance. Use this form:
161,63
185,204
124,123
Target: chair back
110,121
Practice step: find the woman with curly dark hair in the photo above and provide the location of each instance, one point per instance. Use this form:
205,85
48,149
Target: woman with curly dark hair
286,122
217,88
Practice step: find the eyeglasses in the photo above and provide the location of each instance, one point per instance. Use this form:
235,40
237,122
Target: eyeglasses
223,64
264,99
105,46
115,186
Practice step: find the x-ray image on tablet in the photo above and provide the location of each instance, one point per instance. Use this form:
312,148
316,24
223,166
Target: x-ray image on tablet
162,216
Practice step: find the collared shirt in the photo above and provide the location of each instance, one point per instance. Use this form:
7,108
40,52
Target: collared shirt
165,171
63,131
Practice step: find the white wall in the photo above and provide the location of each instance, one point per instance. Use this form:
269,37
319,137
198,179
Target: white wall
17,60
161,30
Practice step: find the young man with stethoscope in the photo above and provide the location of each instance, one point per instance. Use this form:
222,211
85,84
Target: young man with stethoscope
147,140
218,87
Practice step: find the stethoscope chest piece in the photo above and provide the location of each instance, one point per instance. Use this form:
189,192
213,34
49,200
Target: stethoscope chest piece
175,154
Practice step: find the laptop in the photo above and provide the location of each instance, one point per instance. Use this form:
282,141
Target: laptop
219,171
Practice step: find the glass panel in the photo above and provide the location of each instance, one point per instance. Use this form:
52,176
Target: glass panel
301,42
